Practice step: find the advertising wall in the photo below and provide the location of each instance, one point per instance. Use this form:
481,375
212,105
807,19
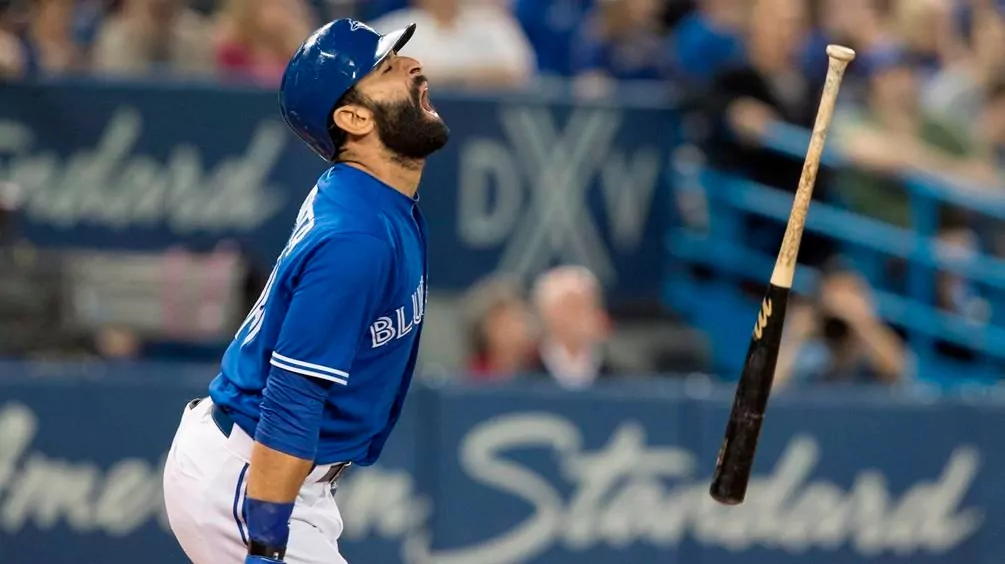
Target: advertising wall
146,167
528,474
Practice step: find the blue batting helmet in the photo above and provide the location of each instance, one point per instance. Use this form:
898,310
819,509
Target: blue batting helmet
330,62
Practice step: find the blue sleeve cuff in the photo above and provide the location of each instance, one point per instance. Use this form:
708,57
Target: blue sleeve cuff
292,408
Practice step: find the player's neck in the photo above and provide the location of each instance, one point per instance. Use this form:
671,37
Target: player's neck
403,176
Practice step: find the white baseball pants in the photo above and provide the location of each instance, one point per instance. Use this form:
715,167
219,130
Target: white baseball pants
205,478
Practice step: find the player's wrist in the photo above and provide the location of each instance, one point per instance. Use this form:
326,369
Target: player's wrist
261,560
268,528
259,553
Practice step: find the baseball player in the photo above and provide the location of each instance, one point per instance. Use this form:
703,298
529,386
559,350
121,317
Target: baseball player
317,374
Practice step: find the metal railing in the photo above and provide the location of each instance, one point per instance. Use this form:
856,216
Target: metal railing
715,203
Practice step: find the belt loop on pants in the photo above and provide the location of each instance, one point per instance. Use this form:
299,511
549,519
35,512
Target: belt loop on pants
225,423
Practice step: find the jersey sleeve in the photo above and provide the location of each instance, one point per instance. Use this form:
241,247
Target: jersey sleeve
334,300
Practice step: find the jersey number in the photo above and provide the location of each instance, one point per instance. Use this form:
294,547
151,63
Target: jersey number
305,221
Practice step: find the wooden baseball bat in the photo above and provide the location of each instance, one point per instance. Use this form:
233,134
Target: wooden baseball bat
736,454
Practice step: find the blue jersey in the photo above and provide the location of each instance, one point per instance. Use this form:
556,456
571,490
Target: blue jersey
344,303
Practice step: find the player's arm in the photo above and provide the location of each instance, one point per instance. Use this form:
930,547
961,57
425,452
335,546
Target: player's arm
334,299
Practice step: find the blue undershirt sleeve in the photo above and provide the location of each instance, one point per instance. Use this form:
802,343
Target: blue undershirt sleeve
334,301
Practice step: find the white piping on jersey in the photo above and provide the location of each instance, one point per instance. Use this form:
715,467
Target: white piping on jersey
309,369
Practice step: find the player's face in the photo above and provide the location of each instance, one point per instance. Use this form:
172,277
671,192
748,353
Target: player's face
398,95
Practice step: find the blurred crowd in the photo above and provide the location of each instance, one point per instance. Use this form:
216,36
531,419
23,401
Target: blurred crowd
926,95
925,98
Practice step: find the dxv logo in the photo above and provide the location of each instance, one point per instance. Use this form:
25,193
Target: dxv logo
561,166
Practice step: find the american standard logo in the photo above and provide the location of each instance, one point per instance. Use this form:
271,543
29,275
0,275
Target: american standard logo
112,185
43,491
624,493
629,492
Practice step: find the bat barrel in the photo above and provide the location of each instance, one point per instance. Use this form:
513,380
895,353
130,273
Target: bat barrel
732,471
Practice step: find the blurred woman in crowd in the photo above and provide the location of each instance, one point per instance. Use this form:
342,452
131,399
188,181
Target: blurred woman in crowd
500,329
255,40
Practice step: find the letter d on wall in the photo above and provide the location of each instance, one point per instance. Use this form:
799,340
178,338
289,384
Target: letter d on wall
484,220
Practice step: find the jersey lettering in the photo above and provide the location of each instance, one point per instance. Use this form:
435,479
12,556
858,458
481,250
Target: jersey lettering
386,329
382,331
305,222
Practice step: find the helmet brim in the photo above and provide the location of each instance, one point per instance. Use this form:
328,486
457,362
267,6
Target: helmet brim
392,43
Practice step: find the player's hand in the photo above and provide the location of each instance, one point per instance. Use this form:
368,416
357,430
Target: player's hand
260,560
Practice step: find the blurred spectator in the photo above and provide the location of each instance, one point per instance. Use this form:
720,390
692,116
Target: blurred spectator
13,60
747,99
117,343
992,124
708,40
89,16
957,93
954,293
893,134
49,44
865,25
575,326
255,40
550,26
499,326
929,32
470,44
147,36
619,40
837,337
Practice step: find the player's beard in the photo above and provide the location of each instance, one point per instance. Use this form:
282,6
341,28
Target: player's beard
407,130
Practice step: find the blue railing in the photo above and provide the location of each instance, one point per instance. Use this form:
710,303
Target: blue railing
719,244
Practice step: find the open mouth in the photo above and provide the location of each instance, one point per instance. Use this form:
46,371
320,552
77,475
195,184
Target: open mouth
424,100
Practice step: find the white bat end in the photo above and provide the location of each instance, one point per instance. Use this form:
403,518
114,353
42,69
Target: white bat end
840,53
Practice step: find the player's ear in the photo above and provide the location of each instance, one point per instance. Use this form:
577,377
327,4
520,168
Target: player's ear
354,119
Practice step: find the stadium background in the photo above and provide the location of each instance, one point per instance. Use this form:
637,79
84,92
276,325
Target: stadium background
147,182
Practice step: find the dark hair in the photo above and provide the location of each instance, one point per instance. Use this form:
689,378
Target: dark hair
337,134
885,8
996,91
482,300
